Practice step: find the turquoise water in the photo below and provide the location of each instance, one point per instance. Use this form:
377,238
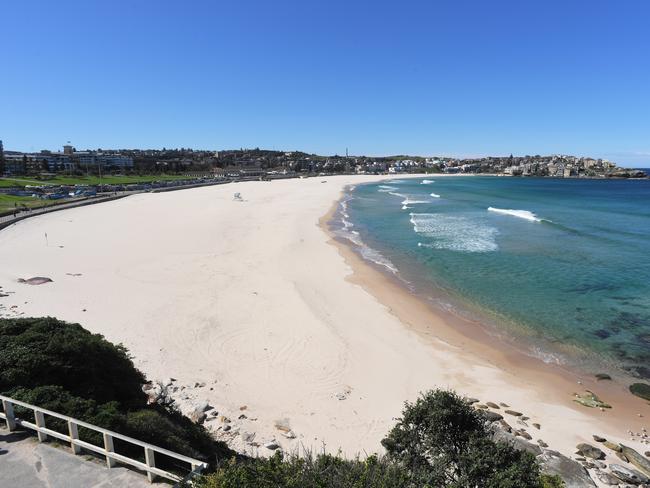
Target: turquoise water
567,273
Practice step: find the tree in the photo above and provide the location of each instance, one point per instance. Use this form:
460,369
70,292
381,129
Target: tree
444,440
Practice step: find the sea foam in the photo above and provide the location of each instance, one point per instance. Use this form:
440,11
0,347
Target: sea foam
522,214
435,195
426,182
454,233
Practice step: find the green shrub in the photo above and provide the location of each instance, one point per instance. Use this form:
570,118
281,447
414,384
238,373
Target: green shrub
46,351
292,471
64,368
443,436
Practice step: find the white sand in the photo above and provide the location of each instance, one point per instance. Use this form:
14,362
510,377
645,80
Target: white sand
251,298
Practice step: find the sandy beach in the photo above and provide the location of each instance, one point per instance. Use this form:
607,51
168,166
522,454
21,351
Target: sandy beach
253,307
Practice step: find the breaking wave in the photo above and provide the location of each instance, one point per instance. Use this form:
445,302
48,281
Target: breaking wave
454,233
426,182
522,214
435,195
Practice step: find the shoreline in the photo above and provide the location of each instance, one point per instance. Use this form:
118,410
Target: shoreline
438,326
254,310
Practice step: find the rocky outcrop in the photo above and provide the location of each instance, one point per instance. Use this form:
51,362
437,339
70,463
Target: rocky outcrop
572,473
628,475
641,463
641,390
587,450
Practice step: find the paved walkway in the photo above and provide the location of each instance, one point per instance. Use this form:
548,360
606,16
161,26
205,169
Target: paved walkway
26,463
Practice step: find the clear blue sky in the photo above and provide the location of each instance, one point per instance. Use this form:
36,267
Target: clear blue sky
418,77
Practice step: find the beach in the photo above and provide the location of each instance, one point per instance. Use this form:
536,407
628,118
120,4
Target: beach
254,307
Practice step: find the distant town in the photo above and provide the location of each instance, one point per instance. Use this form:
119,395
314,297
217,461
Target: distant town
260,163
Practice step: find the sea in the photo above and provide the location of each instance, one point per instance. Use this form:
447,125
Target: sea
559,268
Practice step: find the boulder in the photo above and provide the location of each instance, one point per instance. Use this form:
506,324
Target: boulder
607,478
590,451
517,442
603,376
513,412
492,416
471,401
612,445
492,405
641,463
597,438
628,475
641,390
572,473
197,416
272,445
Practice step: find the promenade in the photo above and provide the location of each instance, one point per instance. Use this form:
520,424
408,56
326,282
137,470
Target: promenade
26,463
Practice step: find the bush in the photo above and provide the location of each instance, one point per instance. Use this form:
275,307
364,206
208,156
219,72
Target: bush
292,471
440,441
46,351
64,368
444,437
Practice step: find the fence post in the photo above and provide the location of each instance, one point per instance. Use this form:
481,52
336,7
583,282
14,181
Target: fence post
151,462
40,422
8,407
74,434
108,447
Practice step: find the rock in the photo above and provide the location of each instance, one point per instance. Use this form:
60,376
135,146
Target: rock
272,445
242,417
504,405
199,385
523,417
480,406
641,463
622,457
36,280
647,453
525,435
612,446
518,443
505,426
197,416
572,473
537,426
226,428
203,406
283,425
590,451
243,407
589,399
607,478
492,405
492,416
628,475
542,443
289,435
603,376
471,401
248,436
597,438
641,390
513,412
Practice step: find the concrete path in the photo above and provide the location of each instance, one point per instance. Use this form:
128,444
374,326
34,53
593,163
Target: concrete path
25,463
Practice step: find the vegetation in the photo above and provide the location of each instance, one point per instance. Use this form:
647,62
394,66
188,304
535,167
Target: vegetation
87,180
64,368
440,441
8,203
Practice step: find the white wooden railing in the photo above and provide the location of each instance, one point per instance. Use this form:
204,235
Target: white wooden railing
149,466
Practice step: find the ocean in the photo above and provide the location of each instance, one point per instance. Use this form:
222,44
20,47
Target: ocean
557,267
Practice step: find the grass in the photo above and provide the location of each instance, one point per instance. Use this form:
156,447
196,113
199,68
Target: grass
87,180
9,202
